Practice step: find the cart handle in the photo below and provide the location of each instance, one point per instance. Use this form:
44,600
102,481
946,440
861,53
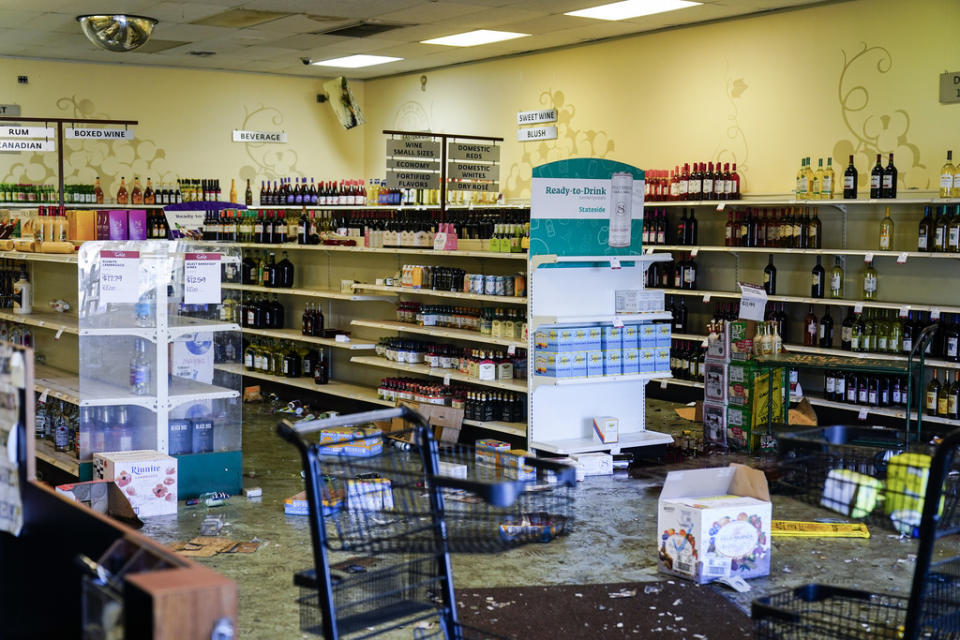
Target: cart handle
351,419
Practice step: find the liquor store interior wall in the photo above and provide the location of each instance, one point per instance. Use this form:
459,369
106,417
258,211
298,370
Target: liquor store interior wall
186,122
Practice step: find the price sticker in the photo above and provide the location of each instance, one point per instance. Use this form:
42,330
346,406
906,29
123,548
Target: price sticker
705,343
58,334
753,301
512,350
721,206
618,322
446,380
663,384
904,311
706,297
863,414
201,278
868,257
43,396
694,252
934,314
648,250
858,308
902,258
614,262
119,276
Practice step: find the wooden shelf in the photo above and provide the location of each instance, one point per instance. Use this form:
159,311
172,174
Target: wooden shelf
517,386
29,256
518,429
817,252
308,293
63,460
57,383
836,302
335,248
441,294
334,388
439,332
296,336
52,321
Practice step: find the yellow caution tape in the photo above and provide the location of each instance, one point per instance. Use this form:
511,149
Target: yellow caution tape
792,529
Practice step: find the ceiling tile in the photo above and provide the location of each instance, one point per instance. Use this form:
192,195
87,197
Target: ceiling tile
58,22
431,12
11,18
295,24
355,9
189,32
305,42
180,12
545,24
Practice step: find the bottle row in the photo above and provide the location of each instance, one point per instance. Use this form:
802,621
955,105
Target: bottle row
418,276
482,406
686,359
286,359
28,192
487,321
476,363
865,389
656,228
795,227
703,182
265,271
351,193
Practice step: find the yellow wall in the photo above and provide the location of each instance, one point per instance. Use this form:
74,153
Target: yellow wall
186,122
761,92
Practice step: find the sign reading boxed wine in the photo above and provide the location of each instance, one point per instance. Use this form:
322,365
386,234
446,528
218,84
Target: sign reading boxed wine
413,163
586,207
86,133
473,166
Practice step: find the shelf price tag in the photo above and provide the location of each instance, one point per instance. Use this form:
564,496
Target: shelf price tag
934,314
858,308
904,311
59,333
721,206
43,396
663,383
706,297
868,257
201,278
512,350
648,250
446,380
863,414
119,276
694,252
753,301
614,262
618,322
902,258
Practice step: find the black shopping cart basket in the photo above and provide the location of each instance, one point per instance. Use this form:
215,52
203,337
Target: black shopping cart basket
407,501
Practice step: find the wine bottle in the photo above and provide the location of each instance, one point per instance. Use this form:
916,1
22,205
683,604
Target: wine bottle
811,331
946,176
876,180
690,230
801,188
682,227
888,188
814,231
826,182
122,191
886,232
953,397
869,282
826,329
817,181
953,232
933,390
941,227
925,230
818,280
850,181
770,277
951,338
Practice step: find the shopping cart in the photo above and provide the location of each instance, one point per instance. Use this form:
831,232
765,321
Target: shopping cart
932,610
408,501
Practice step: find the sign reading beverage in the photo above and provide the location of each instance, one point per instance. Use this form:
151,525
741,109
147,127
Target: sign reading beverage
239,135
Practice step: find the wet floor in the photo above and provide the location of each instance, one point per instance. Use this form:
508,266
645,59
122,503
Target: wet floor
614,539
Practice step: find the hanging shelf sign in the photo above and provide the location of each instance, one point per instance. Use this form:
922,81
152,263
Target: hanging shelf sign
27,145
537,133
240,135
414,148
87,133
413,163
472,171
536,117
473,152
17,131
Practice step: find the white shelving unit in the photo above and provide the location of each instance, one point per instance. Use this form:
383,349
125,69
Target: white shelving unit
567,291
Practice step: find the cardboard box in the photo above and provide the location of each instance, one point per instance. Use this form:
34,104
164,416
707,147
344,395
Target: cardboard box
578,367
594,464
611,338
631,360
714,523
714,418
81,225
180,436
148,478
612,363
514,466
717,347
446,421
714,382
452,469
738,339
369,494
551,477
487,450
594,363
594,339
112,225
297,505
646,336
664,334
554,364
631,336
580,338
556,339
607,428
662,359
648,360
202,436
103,496
137,224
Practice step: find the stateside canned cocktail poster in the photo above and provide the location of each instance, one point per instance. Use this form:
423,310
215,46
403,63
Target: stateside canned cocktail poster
586,207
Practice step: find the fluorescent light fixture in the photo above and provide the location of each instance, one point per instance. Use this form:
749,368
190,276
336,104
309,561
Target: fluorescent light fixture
473,38
354,62
631,9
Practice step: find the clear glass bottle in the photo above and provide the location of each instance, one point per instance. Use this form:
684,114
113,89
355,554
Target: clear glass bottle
140,371
946,176
869,282
886,231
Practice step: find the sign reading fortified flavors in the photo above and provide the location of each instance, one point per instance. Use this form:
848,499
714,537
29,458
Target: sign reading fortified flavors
586,206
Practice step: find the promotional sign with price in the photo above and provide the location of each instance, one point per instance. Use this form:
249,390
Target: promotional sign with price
753,301
119,276
201,278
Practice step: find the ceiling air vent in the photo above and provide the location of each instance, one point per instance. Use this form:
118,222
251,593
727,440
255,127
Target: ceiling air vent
362,29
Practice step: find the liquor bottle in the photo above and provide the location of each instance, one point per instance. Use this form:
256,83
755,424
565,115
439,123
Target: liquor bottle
947,176
850,181
941,227
801,188
886,232
233,190
321,370
817,181
876,180
248,195
925,230
825,338
98,191
735,179
869,282
826,182
149,196
689,273
770,277
22,293
953,232
818,279
933,391
888,188
136,196
951,338
122,191
140,369
814,231
810,329
680,317
690,230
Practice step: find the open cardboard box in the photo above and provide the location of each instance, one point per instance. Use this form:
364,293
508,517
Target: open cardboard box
446,421
714,523
103,496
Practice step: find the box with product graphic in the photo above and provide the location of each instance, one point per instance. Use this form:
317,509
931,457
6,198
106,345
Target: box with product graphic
594,339
606,428
594,464
556,339
554,364
631,360
714,523
738,339
611,338
647,358
647,335
664,333
612,362
631,336
578,365
148,478
662,360
715,423
714,381
594,363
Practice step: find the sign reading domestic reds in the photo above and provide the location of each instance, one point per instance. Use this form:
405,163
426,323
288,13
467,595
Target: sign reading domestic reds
239,135
472,152
98,134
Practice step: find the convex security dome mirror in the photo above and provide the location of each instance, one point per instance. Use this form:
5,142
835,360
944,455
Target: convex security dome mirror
118,32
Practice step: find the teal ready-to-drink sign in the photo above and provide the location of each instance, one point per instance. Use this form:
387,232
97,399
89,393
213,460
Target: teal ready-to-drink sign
586,207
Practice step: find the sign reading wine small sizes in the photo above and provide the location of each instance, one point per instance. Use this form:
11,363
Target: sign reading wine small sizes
413,163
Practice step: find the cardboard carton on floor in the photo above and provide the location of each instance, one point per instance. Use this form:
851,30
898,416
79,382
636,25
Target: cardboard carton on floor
714,523
446,421
148,478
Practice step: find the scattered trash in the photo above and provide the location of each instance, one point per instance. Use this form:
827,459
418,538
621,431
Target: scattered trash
253,492
787,569
214,498
678,602
207,547
425,624
210,526
625,593
736,583
578,595
652,588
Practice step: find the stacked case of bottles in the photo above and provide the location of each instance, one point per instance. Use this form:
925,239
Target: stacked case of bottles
594,351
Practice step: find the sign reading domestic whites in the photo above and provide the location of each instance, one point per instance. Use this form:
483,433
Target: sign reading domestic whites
473,152
536,133
86,133
28,145
119,276
536,117
950,87
240,135
201,278
18,131
418,148
472,171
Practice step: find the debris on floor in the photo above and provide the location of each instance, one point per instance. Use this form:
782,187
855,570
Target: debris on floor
795,529
207,547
